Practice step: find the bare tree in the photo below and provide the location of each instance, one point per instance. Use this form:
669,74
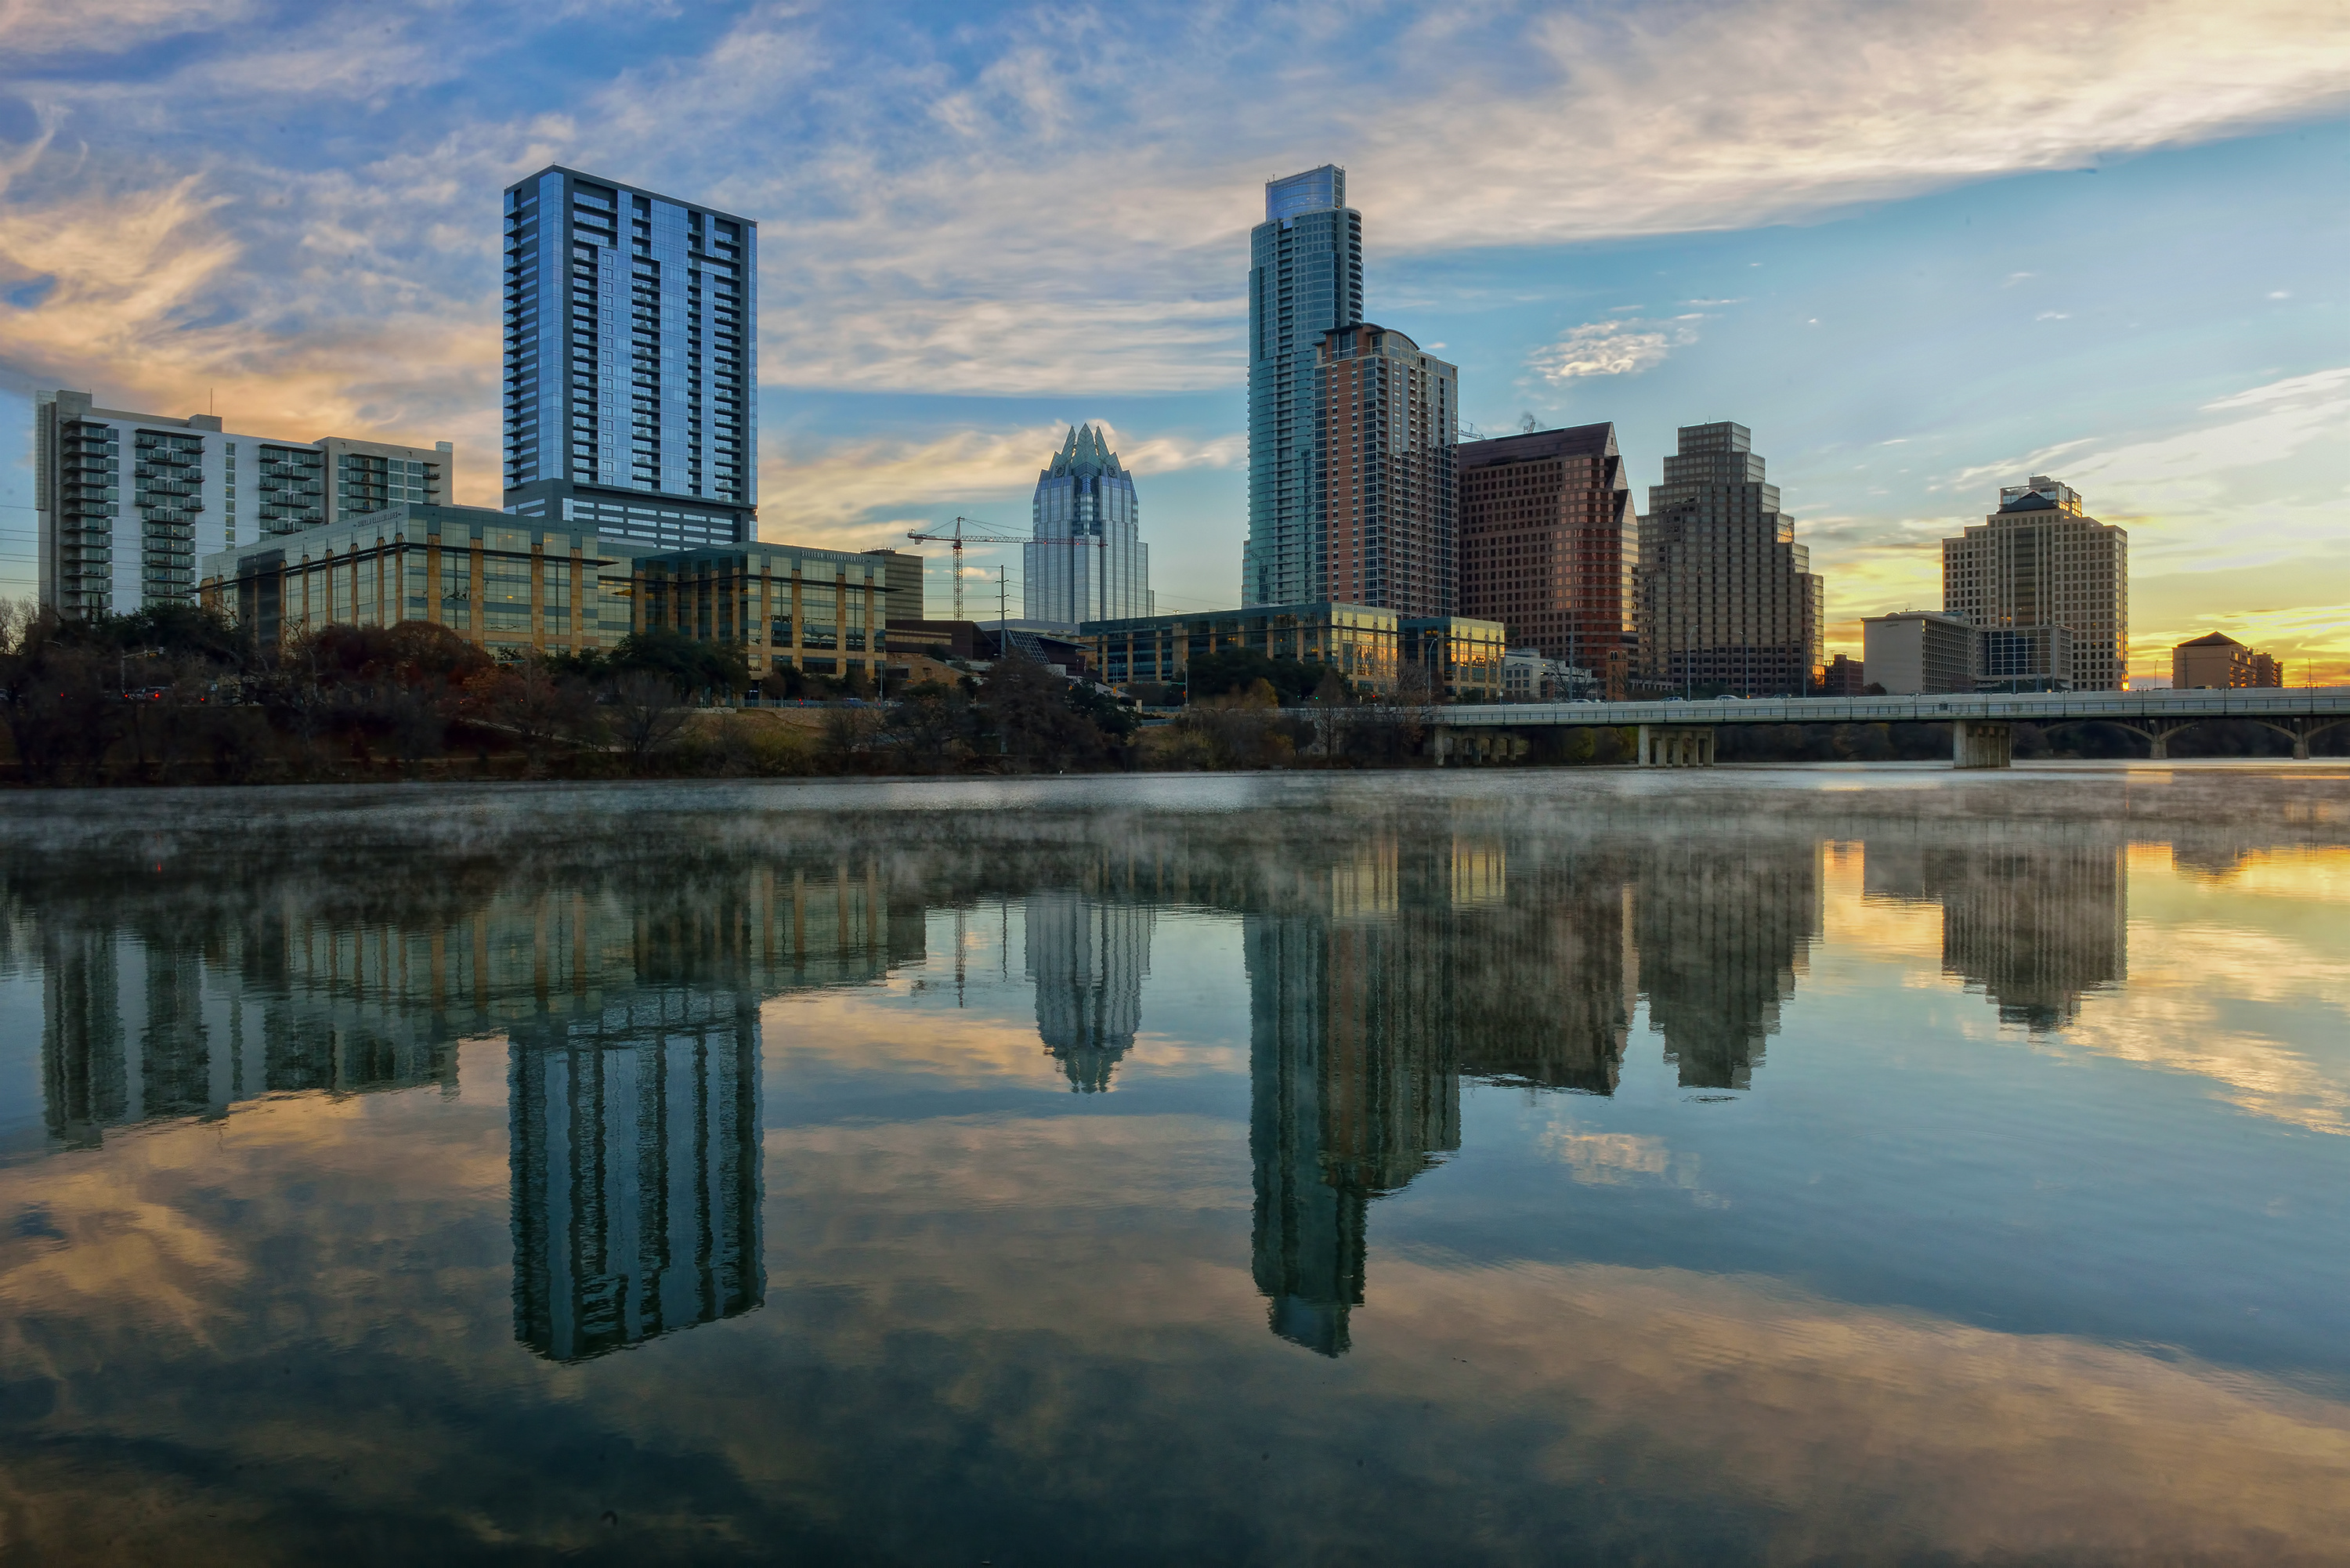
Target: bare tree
1394,723
646,716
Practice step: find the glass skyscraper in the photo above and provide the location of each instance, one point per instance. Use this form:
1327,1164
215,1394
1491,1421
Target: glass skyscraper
631,361
1084,561
1305,277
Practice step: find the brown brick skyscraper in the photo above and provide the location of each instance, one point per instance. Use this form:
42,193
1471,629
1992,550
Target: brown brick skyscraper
1549,543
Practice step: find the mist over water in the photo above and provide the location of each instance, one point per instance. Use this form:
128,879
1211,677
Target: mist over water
1867,1164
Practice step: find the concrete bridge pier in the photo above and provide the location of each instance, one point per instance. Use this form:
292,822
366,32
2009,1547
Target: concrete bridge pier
1981,743
1676,746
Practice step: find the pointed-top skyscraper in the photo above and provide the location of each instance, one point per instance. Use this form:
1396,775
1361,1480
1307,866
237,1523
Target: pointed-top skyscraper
1084,560
1305,277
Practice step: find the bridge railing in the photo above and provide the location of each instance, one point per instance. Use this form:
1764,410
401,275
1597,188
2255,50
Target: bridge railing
2030,707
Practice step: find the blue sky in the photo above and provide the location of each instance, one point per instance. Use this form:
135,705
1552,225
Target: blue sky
1920,250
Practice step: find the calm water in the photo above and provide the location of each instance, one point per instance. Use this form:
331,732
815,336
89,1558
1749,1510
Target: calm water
1763,1166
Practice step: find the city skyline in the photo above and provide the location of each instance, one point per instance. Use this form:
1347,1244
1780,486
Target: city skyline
1894,308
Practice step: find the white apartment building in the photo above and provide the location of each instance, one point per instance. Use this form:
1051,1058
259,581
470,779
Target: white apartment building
128,503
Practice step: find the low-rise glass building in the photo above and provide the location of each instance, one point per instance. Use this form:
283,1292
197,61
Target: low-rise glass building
1358,641
1461,656
519,584
1367,646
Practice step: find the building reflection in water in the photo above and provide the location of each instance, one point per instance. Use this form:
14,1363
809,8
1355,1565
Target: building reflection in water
2037,918
630,1007
1086,958
635,1179
1384,964
1723,928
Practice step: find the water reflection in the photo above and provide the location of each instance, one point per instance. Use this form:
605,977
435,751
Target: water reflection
1382,970
2037,918
1220,1107
631,1010
635,1139
1086,958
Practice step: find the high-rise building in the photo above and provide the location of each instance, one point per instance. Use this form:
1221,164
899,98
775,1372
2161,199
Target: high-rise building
127,505
1305,277
1549,541
1084,559
1727,600
631,361
2040,561
1390,417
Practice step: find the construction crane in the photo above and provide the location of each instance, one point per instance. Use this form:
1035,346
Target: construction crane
958,539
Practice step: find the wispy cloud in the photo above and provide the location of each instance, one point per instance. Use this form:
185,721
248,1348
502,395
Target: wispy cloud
964,209
1619,348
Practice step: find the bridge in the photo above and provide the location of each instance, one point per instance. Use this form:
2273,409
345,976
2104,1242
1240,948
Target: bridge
1681,734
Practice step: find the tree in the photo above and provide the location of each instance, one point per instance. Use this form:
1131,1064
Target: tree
1235,669
646,715
1394,723
1027,707
713,668
62,693
932,722
528,703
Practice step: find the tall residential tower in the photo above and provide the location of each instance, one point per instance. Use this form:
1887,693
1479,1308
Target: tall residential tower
1084,561
1390,415
631,361
1305,277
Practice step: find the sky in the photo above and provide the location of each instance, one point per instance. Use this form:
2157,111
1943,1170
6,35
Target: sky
1920,250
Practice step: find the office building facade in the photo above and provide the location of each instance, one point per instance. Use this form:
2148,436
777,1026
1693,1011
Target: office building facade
1361,642
631,361
1910,652
515,585
2038,561
1550,543
127,504
1727,600
1084,560
2023,659
1390,418
1461,659
1305,277
903,572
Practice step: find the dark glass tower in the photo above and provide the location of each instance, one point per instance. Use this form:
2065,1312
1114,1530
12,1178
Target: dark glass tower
631,361
1305,277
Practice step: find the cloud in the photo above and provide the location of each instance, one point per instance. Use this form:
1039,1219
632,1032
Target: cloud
964,209
2054,315
1619,348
